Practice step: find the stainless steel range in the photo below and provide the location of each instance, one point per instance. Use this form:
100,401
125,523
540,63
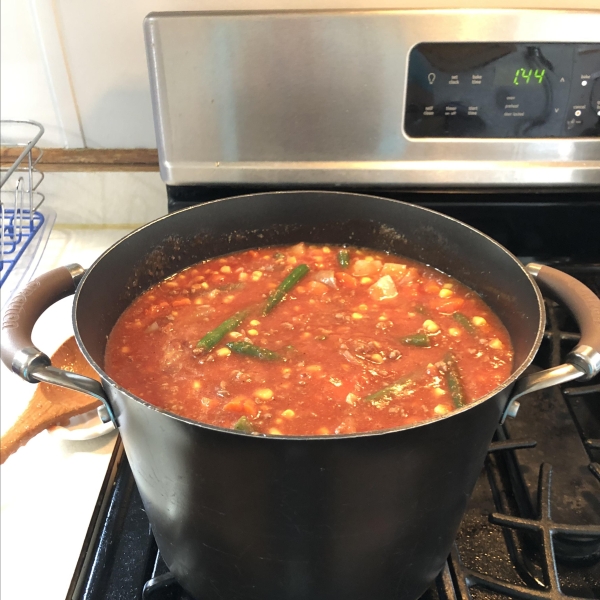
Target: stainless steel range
492,117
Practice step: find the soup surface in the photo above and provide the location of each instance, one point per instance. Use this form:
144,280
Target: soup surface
305,340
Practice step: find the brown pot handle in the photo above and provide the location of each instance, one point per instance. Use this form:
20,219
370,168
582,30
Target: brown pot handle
583,362
584,305
18,352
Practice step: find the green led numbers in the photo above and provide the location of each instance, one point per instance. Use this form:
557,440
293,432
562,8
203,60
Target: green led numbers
540,76
524,75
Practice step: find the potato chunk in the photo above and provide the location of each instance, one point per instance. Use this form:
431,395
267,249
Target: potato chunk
394,270
366,268
383,289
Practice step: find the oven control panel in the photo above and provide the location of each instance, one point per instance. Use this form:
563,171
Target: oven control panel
503,90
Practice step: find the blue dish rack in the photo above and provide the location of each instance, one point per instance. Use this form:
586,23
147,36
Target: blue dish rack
24,224
18,231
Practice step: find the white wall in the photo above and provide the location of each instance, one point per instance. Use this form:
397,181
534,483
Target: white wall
79,67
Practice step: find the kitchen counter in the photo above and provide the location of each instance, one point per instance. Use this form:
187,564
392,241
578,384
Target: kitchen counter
50,486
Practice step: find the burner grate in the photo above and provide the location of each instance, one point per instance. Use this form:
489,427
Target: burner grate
546,529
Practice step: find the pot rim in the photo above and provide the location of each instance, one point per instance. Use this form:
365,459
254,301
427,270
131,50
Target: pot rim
499,388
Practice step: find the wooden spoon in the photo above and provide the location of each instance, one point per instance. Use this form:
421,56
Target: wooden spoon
51,405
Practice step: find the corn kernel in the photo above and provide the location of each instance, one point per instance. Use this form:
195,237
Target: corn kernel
369,258
448,286
225,269
440,409
326,250
286,370
430,326
228,299
479,321
243,276
256,275
377,358
198,301
496,344
204,285
454,332
363,307
254,322
382,318
197,385
252,332
235,335
223,352
439,391
263,393
366,280
274,431
357,316
291,260
288,414
445,293
323,431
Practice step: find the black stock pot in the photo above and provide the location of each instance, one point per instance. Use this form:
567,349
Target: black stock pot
364,516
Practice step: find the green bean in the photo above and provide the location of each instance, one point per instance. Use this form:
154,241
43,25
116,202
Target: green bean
453,379
218,333
389,392
244,425
464,322
251,350
418,339
284,287
344,258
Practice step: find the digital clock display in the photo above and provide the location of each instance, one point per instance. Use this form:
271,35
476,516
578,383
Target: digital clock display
521,76
503,90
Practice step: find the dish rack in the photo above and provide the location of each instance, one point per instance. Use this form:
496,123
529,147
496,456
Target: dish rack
24,224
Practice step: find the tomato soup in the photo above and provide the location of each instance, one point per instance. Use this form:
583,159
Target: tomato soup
309,340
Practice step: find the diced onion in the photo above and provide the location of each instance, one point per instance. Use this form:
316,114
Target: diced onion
327,277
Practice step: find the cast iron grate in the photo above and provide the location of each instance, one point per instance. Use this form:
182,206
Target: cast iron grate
546,529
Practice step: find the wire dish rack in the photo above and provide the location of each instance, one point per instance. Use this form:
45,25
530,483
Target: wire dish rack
24,224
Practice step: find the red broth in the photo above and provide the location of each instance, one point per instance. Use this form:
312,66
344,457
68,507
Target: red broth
363,341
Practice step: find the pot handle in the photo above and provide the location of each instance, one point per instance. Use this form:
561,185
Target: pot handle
21,356
583,362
